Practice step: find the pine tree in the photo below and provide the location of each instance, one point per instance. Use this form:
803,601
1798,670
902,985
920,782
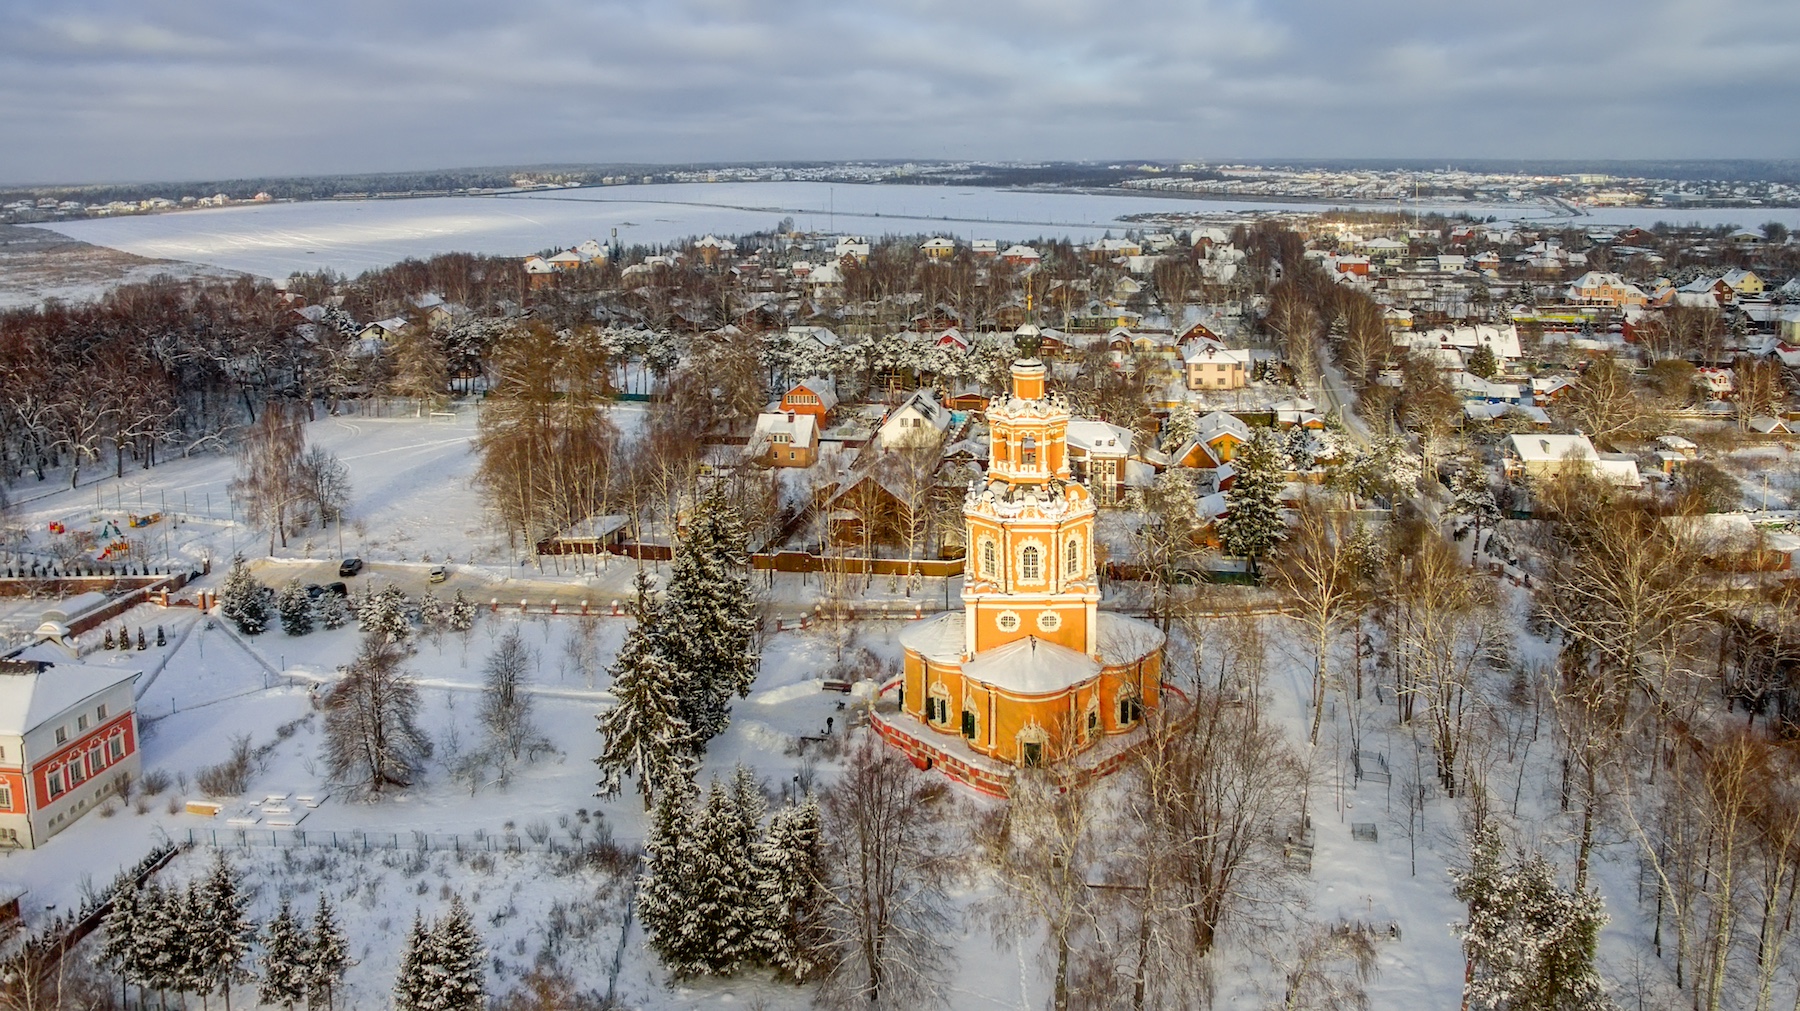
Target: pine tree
1253,526
457,946
790,891
296,609
159,939
327,956
1474,498
1529,943
433,614
415,983
663,891
1181,428
221,929
285,972
329,610
645,735
242,600
711,623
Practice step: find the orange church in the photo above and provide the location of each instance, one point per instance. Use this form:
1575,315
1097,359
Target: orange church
1030,671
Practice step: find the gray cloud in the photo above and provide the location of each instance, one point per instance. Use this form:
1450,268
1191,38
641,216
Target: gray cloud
147,89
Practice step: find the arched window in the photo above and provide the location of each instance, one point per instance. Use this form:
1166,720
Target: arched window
1029,448
1030,565
990,562
1072,558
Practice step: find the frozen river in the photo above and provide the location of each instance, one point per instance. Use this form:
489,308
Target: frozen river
350,236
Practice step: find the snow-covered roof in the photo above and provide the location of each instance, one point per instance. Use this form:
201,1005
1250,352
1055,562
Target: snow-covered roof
1124,639
1099,438
940,638
1031,666
34,692
819,386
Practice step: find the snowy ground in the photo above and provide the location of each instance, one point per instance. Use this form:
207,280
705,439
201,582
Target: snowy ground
36,264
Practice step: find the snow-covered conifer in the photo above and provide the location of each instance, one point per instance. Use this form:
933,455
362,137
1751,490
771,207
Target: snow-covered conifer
645,735
383,612
1528,942
459,961
296,609
434,614
722,888
221,930
415,984
664,904
791,892
1474,498
242,600
119,951
329,610
327,956
710,625
462,613
284,972
1253,526
1181,428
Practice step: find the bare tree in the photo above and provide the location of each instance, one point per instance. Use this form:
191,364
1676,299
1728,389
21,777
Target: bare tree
268,485
886,829
1319,570
506,698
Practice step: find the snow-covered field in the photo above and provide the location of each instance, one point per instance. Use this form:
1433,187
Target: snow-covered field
350,236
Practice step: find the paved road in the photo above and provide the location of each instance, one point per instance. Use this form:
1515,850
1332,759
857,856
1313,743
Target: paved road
411,579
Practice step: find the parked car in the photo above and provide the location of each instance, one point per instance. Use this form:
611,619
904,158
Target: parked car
314,591
438,574
338,588
350,567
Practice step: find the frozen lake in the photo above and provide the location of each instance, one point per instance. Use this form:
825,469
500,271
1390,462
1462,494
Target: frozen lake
350,236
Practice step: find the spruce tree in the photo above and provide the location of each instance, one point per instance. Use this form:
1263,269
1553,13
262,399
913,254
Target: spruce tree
296,609
462,613
329,610
790,892
327,956
383,612
645,735
221,929
723,891
459,957
415,985
285,972
710,617
159,939
1253,526
119,951
242,600
664,904
1474,498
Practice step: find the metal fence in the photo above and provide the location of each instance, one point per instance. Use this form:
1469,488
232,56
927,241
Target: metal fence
356,841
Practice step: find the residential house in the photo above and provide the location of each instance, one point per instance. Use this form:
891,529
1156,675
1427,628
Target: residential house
1743,282
784,439
68,740
985,248
1544,456
815,397
1021,256
919,421
852,245
1598,287
383,329
1210,365
1098,453
938,248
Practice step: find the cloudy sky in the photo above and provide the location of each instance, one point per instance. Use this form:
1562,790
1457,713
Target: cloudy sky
106,90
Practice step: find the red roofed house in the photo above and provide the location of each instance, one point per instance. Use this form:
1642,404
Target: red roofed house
68,739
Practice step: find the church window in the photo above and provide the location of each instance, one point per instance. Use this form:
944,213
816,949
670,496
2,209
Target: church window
968,724
1131,710
1072,557
937,707
1029,448
1093,720
990,564
1033,754
1008,621
1030,565
1049,621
